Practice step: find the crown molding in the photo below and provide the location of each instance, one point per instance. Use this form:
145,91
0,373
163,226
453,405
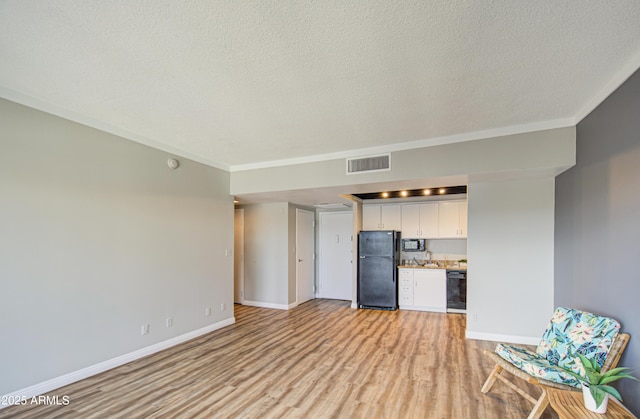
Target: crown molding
73,116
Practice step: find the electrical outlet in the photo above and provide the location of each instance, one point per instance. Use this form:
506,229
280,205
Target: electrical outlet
144,330
207,311
474,316
169,321
223,306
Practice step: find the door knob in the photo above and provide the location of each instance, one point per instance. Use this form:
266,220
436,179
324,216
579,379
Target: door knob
299,260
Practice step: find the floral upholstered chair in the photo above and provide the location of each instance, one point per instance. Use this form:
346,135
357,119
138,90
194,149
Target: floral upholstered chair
569,333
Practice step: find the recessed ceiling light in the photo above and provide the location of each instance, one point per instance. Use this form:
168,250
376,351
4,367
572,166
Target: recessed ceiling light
405,193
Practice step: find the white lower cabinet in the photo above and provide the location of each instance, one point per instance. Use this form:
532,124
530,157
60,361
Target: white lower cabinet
405,292
423,289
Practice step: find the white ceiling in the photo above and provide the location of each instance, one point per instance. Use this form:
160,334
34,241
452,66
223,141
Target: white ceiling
237,83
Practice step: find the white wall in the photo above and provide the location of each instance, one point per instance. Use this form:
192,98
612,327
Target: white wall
97,237
510,253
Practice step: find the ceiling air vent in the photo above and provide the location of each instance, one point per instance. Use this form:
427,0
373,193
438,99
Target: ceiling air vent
369,164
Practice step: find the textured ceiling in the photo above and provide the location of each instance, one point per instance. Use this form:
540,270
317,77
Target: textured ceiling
233,83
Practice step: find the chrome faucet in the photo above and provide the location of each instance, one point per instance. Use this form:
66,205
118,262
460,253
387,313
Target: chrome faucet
429,256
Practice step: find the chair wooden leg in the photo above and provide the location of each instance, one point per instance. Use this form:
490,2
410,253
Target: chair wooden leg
539,407
491,379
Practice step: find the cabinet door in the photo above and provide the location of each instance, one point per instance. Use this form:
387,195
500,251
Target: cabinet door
411,221
405,290
449,219
430,289
429,220
371,217
391,217
463,218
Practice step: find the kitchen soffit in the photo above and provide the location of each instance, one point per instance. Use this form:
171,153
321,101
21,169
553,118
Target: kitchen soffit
414,193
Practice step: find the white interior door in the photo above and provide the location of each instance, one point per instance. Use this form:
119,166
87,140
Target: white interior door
335,255
238,257
305,252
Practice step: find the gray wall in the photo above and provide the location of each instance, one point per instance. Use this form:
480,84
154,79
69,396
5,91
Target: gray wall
598,222
510,254
97,237
270,254
292,296
266,262
549,151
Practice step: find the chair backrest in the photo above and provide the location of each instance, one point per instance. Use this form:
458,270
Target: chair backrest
571,332
615,353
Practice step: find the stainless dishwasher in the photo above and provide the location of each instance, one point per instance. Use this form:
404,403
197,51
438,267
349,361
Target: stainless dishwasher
456,291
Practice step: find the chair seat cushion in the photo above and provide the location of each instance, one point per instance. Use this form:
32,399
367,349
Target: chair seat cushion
534,365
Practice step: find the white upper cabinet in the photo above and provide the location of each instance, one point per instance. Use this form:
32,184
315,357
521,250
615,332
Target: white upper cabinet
452,219
371,217
381,217
420,220
431,220
391,217
463,218
429,214
410,221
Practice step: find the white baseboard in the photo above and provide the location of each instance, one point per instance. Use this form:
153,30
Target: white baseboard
424,308
270,305
78,375
523,340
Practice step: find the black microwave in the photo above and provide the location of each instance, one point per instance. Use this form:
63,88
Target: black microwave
413,245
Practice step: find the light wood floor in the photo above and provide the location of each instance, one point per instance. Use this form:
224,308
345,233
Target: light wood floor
319,360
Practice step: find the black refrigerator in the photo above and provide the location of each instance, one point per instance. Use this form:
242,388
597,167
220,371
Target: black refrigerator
378,259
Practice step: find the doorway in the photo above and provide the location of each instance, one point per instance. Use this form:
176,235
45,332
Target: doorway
305,256
335,255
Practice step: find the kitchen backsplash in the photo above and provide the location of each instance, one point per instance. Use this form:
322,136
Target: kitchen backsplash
450,250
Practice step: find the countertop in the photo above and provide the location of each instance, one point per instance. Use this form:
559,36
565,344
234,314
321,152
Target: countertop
449,268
